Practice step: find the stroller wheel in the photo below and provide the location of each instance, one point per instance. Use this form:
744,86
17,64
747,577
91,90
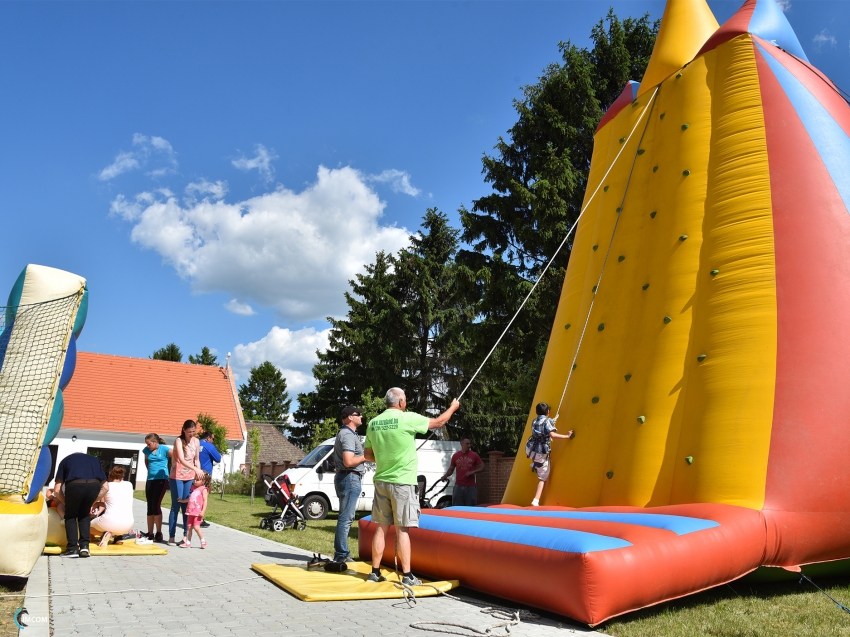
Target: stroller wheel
264,523
302,525
278,525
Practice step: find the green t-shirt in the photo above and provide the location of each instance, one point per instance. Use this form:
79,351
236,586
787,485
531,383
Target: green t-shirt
391,436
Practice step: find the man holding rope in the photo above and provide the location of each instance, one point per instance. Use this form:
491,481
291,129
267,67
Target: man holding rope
390,443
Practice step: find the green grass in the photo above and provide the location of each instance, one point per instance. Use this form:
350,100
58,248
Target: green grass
744,610
236,512
8,605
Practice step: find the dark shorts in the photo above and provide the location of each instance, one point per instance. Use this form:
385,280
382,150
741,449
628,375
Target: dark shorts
464,496
155,491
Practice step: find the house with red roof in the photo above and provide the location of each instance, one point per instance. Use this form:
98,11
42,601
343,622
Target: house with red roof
113,402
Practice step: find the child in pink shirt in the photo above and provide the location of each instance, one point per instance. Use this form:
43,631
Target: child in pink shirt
196,509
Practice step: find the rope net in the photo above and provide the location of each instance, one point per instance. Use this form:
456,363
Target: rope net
33,342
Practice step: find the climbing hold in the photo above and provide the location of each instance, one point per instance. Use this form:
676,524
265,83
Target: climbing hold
594,289
714,272
622,139
628,377
574,365
662,115
619,209
621,258
641,419
635,103
667,319
605,189
609,475
601,327
655,169
594,400
652,214
686,172
641,151
701,358
683,237
567,326
595,248
678,75
685,126
689,459
645,285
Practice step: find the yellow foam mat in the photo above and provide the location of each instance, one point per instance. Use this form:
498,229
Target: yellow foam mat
317,585
129,547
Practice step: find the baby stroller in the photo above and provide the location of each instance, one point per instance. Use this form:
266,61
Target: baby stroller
281,496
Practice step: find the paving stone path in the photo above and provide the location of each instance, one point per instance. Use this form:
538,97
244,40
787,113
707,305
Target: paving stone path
248,608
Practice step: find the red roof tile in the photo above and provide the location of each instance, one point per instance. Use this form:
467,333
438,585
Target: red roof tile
139,395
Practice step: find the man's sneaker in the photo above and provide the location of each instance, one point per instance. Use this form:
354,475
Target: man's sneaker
84,552
70,553
411,580
374,577
204,524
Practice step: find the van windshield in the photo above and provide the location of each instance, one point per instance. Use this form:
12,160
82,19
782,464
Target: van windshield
315,457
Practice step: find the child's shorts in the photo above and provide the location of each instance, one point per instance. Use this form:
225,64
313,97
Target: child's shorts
194,520
540,464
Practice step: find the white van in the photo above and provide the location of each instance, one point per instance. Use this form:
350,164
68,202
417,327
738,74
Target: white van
313,478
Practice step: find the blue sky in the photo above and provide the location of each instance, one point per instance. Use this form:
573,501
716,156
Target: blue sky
191,159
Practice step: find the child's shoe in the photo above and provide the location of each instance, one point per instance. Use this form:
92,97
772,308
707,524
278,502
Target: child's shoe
535,502
184,545
203,544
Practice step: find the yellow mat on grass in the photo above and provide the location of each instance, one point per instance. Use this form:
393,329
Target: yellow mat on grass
317,585
129,547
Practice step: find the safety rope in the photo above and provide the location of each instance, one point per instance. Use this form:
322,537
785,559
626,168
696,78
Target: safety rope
508,617
567,236
834,601
651,106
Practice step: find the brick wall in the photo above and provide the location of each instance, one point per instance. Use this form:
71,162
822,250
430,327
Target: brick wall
493,481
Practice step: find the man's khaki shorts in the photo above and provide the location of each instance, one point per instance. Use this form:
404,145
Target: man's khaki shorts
395,504
540,464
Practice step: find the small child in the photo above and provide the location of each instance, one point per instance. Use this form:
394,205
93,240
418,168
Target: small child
537,448
196,509
54,502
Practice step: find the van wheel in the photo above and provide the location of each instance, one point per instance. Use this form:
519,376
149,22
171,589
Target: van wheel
444,502
315,507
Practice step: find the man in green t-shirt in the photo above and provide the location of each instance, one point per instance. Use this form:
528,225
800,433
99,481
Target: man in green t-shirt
390,443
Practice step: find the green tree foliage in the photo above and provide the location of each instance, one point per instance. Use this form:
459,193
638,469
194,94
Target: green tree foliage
264,396
206,357
168,353
254,439
219,432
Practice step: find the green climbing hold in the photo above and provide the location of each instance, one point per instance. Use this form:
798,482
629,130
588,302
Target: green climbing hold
689,459
701,358
714,272
678,75
686,172
655,169
609,475
685,126
594,289
635,103
667,319
628,377
567,326
605,189
601,327
683,237
645,285
662,115
652,214
621,258
595,248
641,419
620,209
622,139
574,365
594,400
641,151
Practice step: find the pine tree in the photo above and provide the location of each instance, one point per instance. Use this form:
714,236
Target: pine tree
265,396
206,357
168,353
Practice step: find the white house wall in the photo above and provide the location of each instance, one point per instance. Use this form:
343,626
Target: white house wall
70,441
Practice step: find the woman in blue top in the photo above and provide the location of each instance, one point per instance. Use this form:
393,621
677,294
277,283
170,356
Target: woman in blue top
157,454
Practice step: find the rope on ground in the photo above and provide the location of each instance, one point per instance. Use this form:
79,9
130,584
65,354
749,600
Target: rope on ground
567,236
137,590
834,601
509,617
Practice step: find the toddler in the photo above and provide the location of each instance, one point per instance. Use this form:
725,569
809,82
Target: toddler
197,507
537,448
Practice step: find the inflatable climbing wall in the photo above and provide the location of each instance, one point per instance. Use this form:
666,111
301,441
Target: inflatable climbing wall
44,316
700,349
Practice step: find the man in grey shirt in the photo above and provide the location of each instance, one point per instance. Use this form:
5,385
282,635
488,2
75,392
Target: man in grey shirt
350,467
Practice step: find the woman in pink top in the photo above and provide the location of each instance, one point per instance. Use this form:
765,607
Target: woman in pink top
185,467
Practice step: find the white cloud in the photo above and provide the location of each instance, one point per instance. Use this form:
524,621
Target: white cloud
216,189
150,151
822,39
262,162
239,308
399,181
785,5
292,251
292,352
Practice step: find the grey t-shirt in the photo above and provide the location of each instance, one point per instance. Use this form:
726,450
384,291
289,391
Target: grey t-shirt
347,440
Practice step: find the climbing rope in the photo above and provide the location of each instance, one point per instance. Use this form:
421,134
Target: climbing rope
508,617
651,106
567,236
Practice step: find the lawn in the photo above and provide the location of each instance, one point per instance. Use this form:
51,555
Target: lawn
8,605
236,512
